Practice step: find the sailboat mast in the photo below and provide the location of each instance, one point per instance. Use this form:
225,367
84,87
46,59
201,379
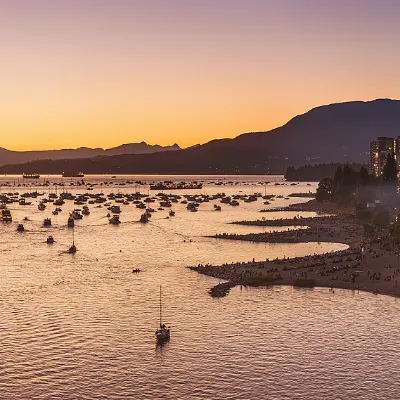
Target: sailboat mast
160,307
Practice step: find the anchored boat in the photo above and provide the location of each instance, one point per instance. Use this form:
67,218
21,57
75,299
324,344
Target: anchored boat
50,240
6,215
114,220
72,249
163,332
30,176
73,174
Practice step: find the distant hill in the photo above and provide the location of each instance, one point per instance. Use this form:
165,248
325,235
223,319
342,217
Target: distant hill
334,133
19,157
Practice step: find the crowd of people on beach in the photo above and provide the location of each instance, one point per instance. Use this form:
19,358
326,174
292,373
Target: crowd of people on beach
362,265
295,221
287,236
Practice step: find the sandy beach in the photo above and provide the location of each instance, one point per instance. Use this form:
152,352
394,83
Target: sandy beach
369,264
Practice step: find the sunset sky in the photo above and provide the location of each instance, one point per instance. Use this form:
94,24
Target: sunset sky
100,73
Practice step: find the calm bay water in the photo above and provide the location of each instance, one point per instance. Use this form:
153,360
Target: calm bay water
82,326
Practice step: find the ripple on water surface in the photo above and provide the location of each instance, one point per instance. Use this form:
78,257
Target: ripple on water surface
82,326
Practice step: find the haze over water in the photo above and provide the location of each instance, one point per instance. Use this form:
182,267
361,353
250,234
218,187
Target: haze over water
82,326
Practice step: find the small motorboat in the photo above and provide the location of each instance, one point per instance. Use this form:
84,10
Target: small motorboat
192,207
41,206
71,222
50,240
136,270
6,215
47,222
55,212
20,228
23,202
85,210
115,209
114,220
171,213
76,214
144,218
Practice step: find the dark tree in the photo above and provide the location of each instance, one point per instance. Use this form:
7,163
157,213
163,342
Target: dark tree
364,177
337,181
316,172
338,175
346,186
324,190
290,174
390,169
348,176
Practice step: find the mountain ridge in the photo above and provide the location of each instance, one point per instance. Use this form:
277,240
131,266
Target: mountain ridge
338,132
20,157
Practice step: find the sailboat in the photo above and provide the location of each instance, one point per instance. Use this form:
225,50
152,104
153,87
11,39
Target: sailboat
72,249
162,333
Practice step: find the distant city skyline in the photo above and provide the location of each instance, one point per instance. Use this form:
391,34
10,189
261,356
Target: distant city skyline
100,73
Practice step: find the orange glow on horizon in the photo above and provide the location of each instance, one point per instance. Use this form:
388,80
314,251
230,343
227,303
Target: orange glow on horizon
183,74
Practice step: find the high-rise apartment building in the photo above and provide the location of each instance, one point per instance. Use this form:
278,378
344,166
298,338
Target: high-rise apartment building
378,152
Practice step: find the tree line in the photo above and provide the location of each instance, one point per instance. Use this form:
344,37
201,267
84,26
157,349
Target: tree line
314,173
372,197
348,185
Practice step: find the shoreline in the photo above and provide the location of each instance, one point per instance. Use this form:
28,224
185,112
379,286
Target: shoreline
369,264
